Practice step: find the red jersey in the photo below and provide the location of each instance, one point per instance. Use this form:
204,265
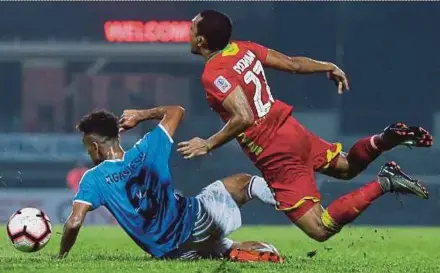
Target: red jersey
241,63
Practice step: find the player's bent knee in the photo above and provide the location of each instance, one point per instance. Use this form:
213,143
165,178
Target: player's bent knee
341,168
319,233
350,174
237,180
343,174
311,222
336,167
347,175
321,236
237,185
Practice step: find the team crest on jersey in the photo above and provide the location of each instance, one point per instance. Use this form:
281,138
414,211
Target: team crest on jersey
222,84
230,50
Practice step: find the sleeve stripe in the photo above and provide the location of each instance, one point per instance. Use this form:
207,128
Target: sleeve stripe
83,202
166,132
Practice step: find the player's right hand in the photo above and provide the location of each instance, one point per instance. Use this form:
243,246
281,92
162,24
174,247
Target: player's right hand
339,78
193,148
129,120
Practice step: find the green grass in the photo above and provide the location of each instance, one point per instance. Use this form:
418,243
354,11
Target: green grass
366,249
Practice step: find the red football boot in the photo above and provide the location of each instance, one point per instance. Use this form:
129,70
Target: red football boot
240,255
402,134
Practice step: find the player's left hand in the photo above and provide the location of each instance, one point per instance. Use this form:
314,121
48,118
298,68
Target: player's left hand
339,78
192,148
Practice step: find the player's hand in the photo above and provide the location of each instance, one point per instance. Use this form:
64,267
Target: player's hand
340,79
129,120
192,148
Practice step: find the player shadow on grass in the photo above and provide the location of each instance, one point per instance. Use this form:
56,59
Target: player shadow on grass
225,266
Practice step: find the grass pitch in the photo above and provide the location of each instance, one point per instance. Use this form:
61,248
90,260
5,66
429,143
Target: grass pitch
355,249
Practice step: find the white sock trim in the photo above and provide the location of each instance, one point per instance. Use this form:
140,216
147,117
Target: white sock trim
372,142
249,188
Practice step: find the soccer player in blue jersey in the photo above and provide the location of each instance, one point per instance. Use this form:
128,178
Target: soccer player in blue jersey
135,186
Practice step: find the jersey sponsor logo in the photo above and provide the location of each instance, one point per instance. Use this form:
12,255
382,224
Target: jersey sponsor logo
244,62
126,172
230,50
252,146
222,84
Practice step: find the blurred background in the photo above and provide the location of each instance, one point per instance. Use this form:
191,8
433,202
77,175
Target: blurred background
59,61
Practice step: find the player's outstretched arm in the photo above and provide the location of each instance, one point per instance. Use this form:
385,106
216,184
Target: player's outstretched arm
298,64
304,65
169,116
72,227
241,118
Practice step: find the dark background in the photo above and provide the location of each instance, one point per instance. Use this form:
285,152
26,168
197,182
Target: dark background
390,52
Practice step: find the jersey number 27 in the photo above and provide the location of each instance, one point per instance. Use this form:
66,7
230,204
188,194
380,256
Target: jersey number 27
252,77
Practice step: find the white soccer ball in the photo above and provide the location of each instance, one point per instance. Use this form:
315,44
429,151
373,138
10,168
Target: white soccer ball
29,229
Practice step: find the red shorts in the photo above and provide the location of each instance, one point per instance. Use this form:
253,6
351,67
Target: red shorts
289,163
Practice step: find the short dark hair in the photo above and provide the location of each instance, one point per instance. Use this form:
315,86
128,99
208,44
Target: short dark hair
216,27
101,123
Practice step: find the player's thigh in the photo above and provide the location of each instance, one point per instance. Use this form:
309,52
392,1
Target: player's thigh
339,168
295,191
219,205
325,155
292,142
311,223
295,143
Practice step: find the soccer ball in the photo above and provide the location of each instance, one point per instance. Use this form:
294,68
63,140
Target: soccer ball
29,229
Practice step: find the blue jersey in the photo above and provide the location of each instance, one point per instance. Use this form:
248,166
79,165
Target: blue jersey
137,191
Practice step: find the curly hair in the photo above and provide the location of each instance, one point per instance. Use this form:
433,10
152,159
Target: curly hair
101,123
216,27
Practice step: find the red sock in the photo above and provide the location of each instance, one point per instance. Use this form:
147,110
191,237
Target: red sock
363,152
348,207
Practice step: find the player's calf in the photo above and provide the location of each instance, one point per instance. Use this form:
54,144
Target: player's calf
311,223
237,186
346,166
366,150
348,207
341,168
321,224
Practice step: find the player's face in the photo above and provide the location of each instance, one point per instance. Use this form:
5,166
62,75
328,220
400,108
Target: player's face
195,40
93,149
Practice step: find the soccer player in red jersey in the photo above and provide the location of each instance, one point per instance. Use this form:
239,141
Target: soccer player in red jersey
284,151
